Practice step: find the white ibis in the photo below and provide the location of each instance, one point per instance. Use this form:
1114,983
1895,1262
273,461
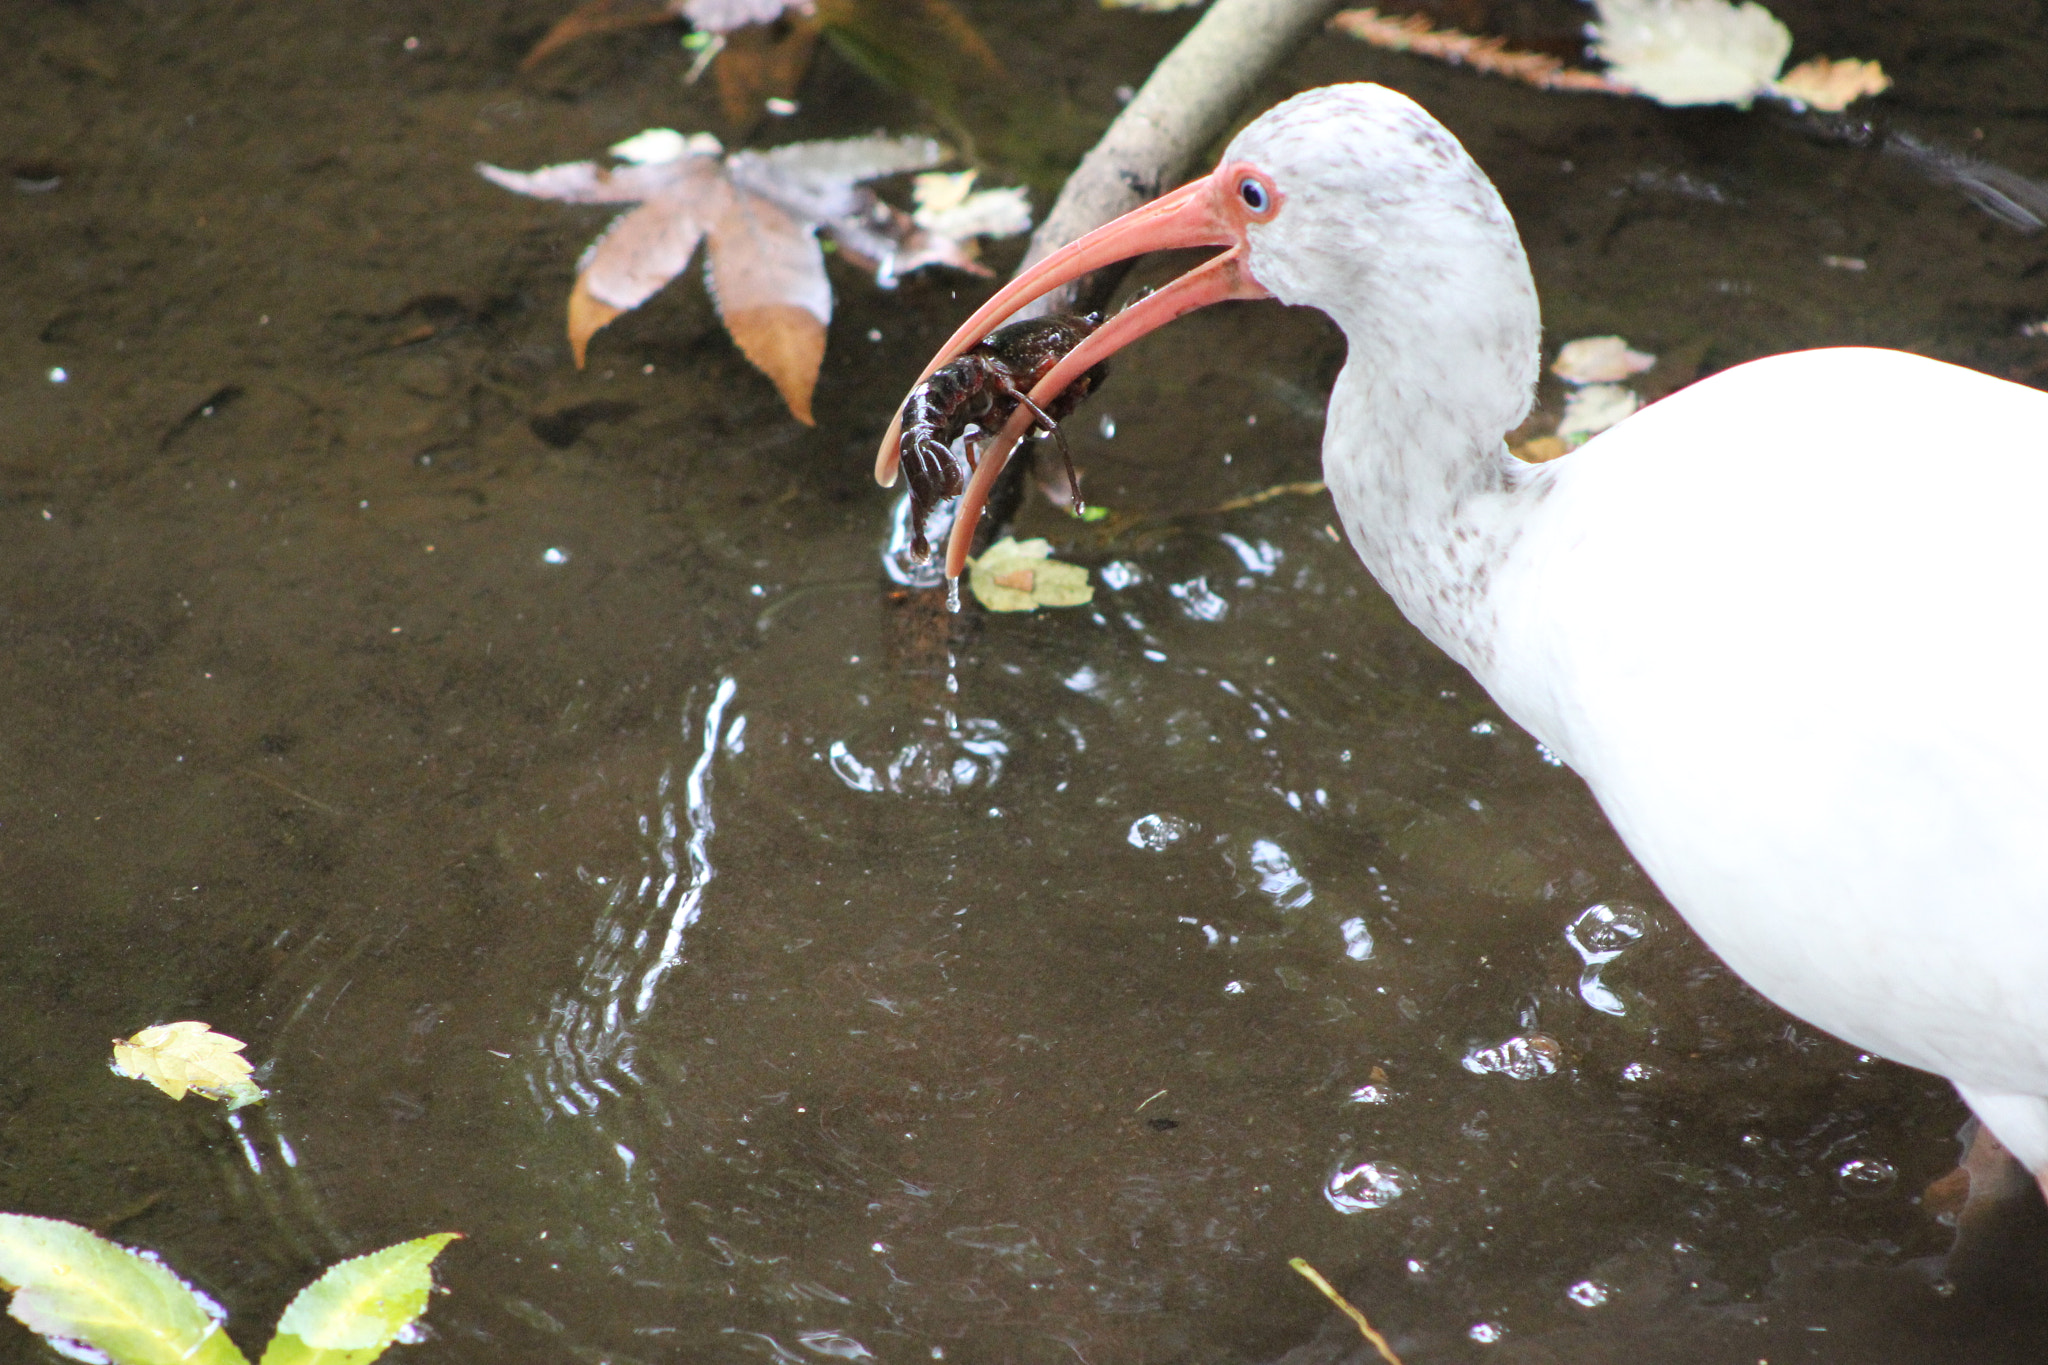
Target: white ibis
1787,623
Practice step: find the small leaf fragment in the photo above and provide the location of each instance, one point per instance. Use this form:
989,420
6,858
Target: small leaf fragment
78,1289
787,344
188,1056
1014,575
358,1308
1832,86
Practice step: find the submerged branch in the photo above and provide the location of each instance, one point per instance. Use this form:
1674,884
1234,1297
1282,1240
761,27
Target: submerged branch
1183,106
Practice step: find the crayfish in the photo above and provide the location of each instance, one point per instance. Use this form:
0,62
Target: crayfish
982,388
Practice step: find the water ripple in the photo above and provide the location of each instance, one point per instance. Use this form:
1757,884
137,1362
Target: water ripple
637,940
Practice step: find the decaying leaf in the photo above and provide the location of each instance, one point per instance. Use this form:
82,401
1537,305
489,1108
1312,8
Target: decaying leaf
1599,360
758,214
85,1293
188,1056
359,1307
1832,86
1022,575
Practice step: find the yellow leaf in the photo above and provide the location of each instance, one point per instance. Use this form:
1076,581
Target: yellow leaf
186,1056
1832,86
786,343
588,315
1016,575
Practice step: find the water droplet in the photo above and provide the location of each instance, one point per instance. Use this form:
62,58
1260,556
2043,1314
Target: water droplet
1368,1185
1587,1294
1156,833
1370,1094
1119,574
1485,1333
1484,727
953,595
554,554
1636,1071
1866,1175
1107,426
58,374
1519,1059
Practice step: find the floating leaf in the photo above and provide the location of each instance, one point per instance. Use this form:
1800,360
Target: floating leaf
1685,52
1022,575
1590,410
190,1056
358,1308
1832,86
81,1291
758,214
1599,360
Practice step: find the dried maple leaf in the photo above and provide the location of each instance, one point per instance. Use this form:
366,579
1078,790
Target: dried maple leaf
758,214
188,1056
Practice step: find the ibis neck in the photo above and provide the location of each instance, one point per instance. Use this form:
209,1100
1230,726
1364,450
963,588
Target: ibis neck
1416,462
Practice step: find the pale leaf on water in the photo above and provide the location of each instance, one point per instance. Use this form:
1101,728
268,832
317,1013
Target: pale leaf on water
1590,410
358,1308
1684,52
79,1289
1599,360
1022,575
188,1056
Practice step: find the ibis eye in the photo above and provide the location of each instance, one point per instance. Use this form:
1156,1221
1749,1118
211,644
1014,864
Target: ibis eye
1254,195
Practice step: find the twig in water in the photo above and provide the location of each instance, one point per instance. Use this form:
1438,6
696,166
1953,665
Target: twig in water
1329,1291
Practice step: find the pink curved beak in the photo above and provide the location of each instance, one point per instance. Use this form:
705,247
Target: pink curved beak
1196,214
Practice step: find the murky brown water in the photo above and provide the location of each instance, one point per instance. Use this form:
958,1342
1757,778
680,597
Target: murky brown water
662,918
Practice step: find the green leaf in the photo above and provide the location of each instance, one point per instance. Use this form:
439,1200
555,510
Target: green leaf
74,1286
1021,575
353,1312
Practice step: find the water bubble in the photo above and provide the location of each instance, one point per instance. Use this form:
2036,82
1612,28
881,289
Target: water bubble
1198,600
1370,1094
1119,574
1368,1185
1598,936
1587,1294
1156,833
1484,727
1519,1059
1107,426
1485,1333
58,374
1278,879
1636,1071
554,554
1866,1175
1357,939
